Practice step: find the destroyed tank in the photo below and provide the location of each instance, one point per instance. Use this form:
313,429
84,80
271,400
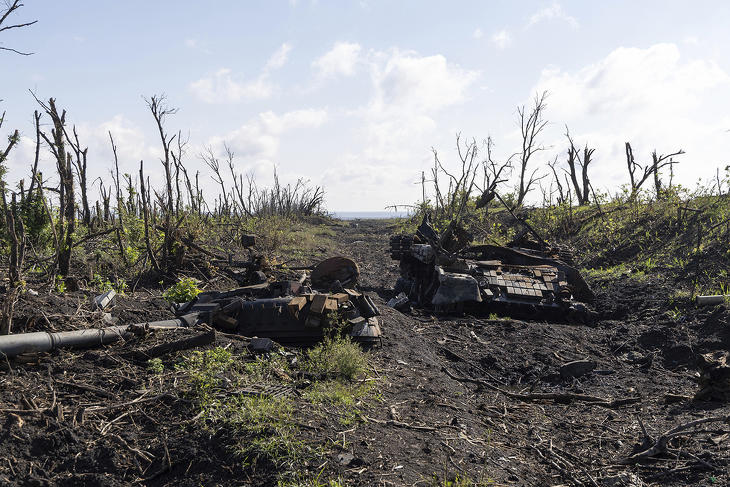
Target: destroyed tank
290,312
444,273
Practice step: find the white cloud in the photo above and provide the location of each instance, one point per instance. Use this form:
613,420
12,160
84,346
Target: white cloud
631,80
279,58
477,34
132,146
553,12
406,81
195,44
258,139
223,87
691,40
650,97
372,184
409,90
341,60
501,39
309,117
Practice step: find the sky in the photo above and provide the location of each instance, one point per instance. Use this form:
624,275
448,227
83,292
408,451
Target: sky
353,95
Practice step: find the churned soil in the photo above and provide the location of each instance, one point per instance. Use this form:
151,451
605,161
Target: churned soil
472,397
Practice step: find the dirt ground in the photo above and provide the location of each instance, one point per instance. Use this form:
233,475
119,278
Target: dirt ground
95,418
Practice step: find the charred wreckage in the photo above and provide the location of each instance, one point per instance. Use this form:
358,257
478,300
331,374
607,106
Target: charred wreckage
302,311
444,273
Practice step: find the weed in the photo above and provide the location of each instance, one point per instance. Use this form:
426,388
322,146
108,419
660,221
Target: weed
257,429
205,368
337,358
182,291
675,314
302,480
264,369
101,285
460,481
154,366
60,286
345,397
265,429
679,297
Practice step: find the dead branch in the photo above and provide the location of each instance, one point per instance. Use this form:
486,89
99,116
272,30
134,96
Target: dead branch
160,111
660,445
492,176
575,162
531,125
564,397
67,201
213,163
145,213
16,233
637,179
10,8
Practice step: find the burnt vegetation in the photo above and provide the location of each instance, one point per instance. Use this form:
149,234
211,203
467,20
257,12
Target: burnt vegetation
633,398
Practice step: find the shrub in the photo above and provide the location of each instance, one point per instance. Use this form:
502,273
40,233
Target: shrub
182,291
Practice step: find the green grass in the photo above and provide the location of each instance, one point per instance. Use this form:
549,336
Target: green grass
346,399
266,430
336,358
258,428
462,481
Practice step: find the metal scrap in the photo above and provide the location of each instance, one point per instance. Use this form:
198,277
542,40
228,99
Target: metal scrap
289,311
447,274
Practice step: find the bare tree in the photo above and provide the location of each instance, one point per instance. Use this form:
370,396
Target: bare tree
16,236
120,203
79,164
12,140
5,13
461,184
563,193
531,125
16,233
67,200
179,168
213,163
146,216
160,111
576,163
493,175
238,183
639,174
657,163
34,169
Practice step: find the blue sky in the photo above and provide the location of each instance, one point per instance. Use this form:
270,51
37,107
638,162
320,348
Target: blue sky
353,95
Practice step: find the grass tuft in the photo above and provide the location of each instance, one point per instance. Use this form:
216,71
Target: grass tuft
337,358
